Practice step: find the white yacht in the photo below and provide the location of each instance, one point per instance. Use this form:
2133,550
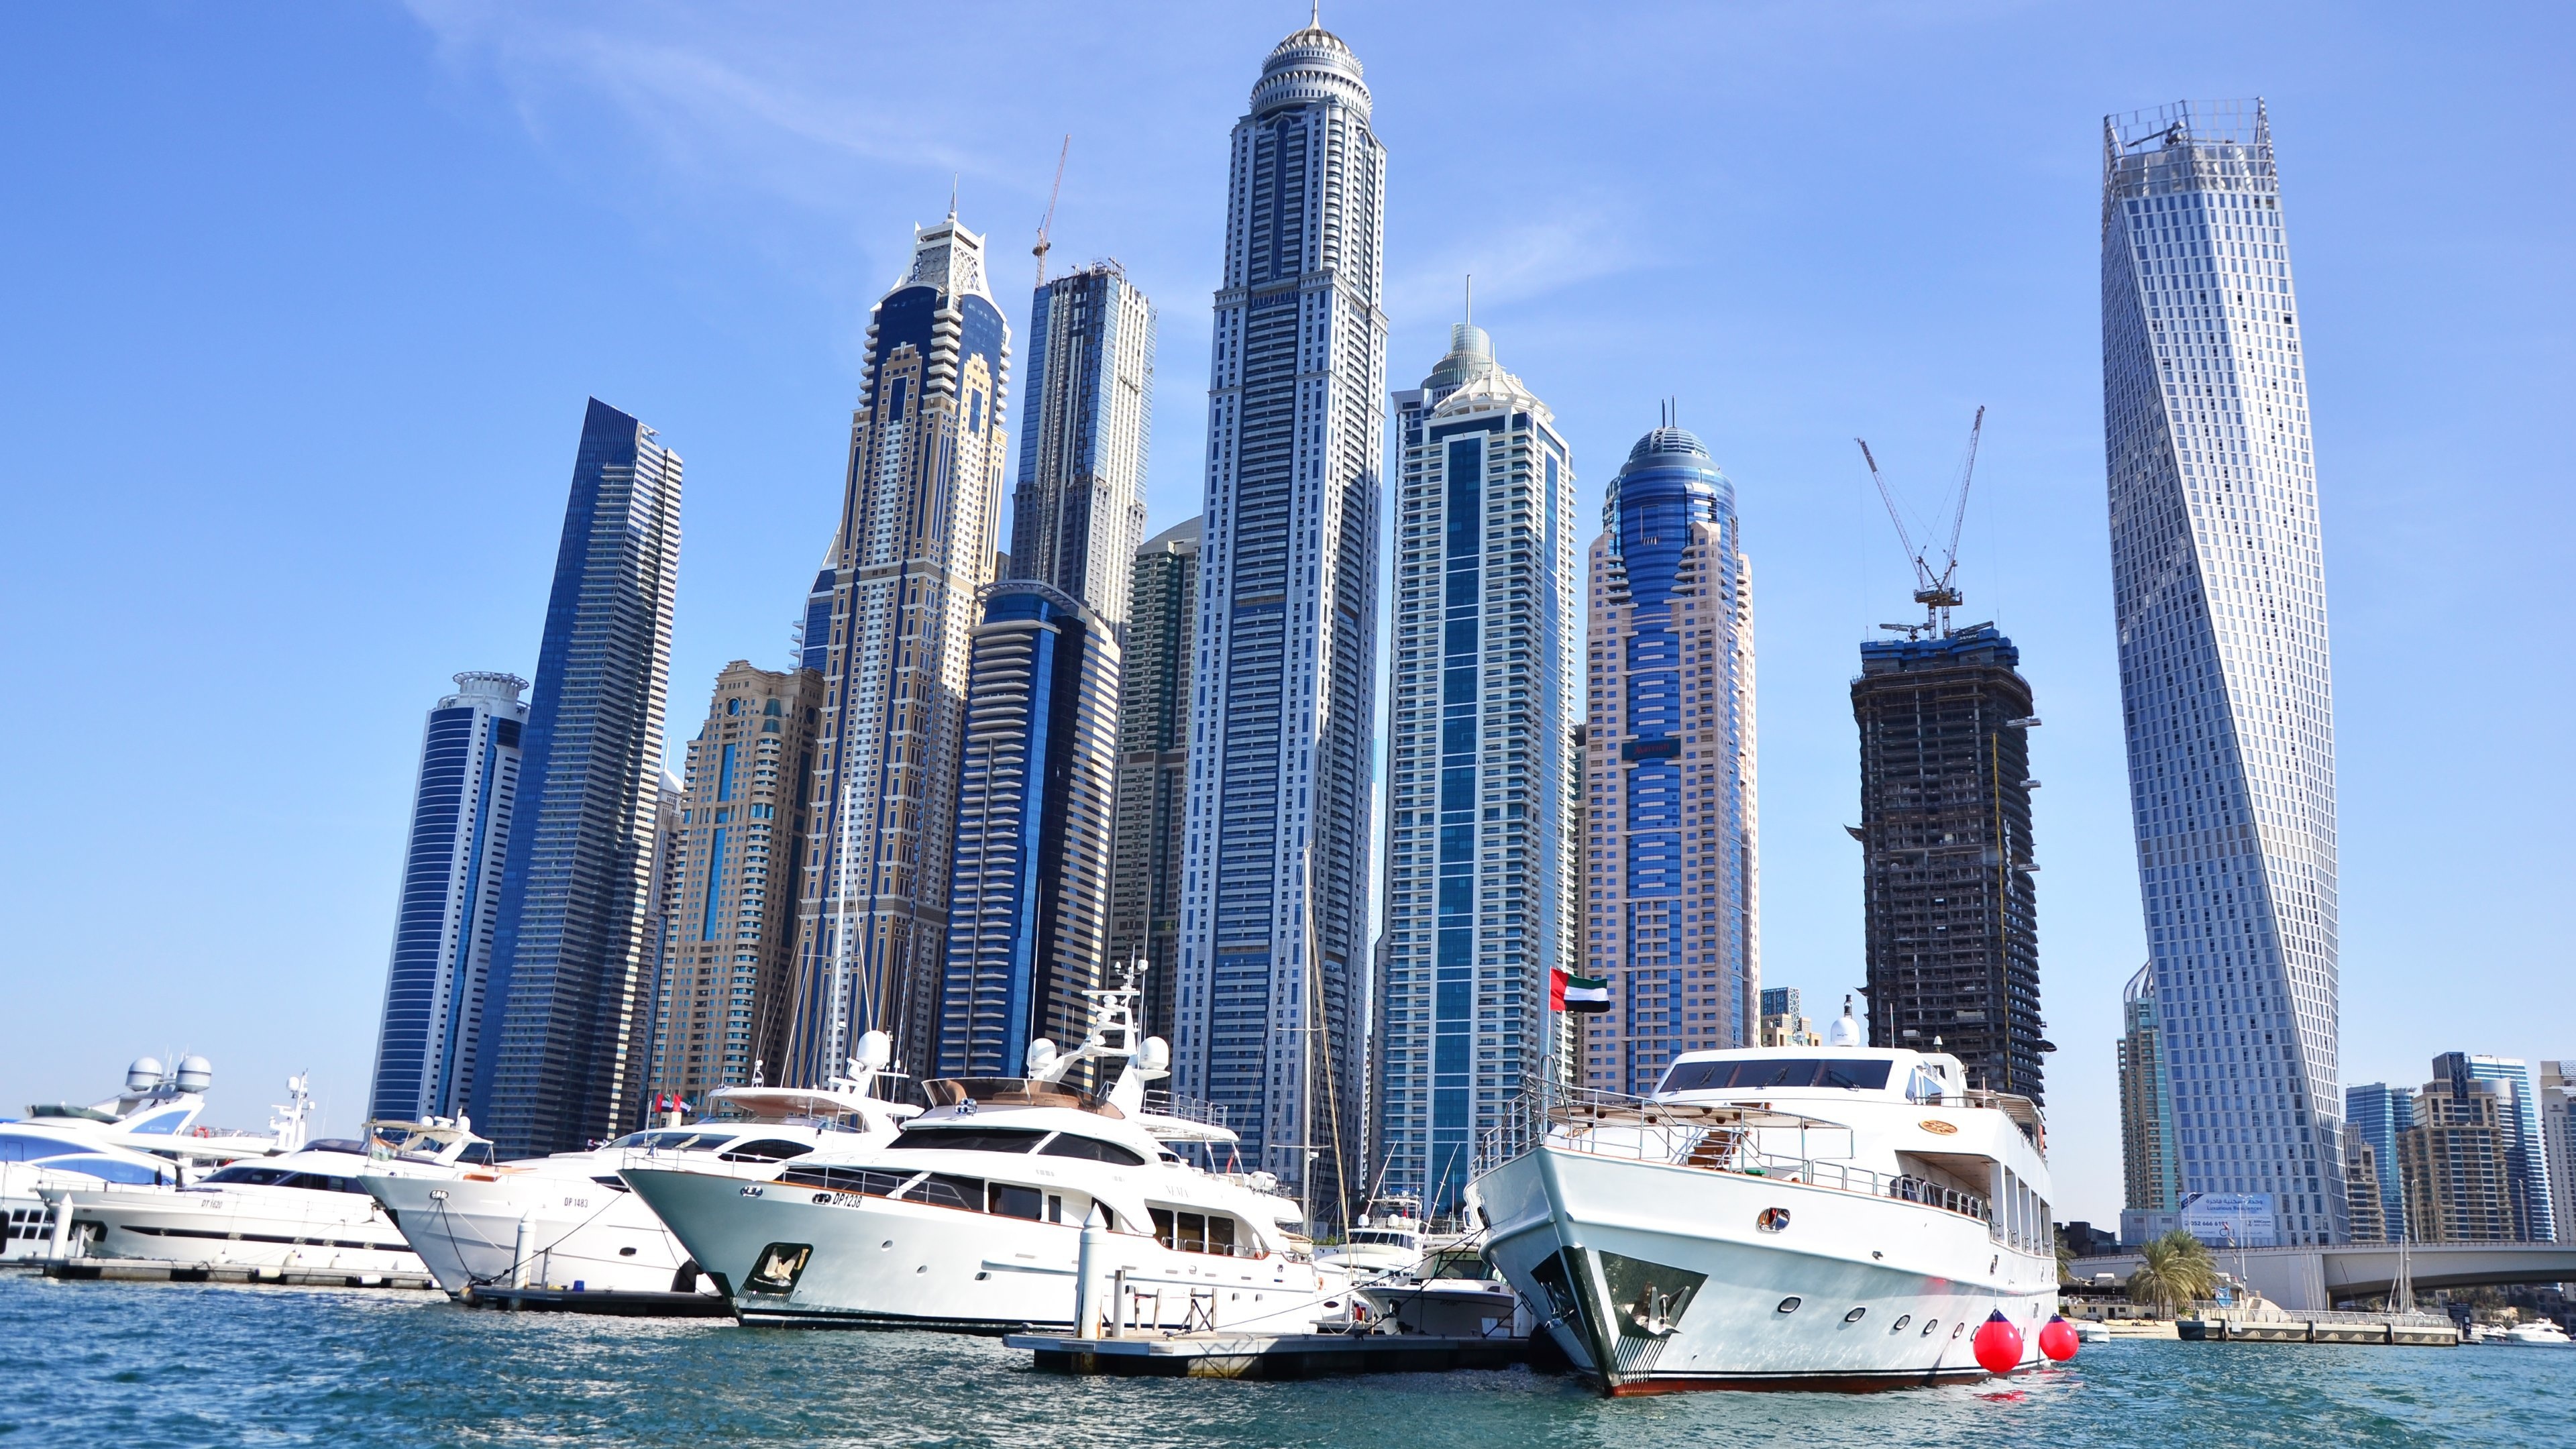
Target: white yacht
973,1219
2539,1333
568,1221
146,1135
1836,1217
1390,1238
300,1210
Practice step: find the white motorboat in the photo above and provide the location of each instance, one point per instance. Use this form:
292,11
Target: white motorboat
568,1221
982,1215
1390,1239
147,1135
1452,1293
1835,1217
2539,1333
300,1210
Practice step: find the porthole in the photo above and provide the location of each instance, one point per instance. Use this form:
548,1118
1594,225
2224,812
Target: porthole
1772,1219
1856,1315
1958,1328
1790,1304
1930,1324
1902,1319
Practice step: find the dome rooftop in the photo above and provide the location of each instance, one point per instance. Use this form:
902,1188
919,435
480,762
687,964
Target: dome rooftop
1679,442
1311,65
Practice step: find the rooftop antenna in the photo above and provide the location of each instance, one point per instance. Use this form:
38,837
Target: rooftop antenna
1937,593
1471,299
1046,224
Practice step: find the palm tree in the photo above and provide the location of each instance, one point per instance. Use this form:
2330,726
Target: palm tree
2176,1271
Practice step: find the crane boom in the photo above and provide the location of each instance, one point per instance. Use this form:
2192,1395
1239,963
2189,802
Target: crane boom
1894,514
1967,475
1046,224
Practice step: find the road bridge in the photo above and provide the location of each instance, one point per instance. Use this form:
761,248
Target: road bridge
2316,1278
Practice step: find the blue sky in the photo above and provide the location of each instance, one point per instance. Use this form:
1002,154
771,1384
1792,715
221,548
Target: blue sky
302,306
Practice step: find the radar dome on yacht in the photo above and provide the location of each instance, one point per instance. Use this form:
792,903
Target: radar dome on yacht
1845,1032
875,1049
1155,1054
144,1075
196,1074
1041,1052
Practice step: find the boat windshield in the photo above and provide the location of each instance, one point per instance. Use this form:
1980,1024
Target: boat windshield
1760,1073
964,1139
242,1174
1382,1235
1458,1265
676,1141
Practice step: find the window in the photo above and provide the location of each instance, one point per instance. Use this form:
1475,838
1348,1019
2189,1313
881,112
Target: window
1065,1144
244,1176
864,1181
946,1189
1185,1231
967,1139
767,1149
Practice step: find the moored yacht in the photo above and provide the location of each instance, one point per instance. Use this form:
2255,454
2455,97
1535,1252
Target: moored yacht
973,1218
2539,1333
1837,1217
568,1221
145,1136
301,1210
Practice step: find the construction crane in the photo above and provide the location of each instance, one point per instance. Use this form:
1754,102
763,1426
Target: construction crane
1935,592
1046,223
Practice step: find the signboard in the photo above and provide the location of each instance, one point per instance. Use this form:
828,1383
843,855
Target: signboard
2230,1219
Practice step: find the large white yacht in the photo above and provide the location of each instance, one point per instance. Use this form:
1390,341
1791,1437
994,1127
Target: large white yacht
568,1221
300,1210
973,1218
146,1135
1837,1217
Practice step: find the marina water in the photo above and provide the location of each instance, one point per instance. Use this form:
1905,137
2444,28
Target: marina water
138,1365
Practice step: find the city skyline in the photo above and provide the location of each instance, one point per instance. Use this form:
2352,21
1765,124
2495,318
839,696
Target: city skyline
1786,519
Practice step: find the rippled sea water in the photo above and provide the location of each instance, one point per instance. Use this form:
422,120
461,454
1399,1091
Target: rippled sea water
135,1365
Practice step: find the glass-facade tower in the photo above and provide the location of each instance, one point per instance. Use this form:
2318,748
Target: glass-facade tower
451,899
571,962
1671,867
1481,765
888,625
1078,511
2519,1105
1274,960
1154,766
2219,595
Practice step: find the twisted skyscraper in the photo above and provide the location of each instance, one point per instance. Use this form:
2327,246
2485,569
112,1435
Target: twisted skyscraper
1275,899
2221,605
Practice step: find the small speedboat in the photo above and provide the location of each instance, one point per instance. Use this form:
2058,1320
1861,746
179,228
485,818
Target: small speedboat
2540,1333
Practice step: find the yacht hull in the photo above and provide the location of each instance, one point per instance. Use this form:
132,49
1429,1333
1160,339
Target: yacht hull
580,1232
286,1228
1656,1277
874,1262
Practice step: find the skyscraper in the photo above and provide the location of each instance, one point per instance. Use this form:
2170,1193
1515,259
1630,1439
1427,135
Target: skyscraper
1274,960
920,515
1079,509
2378,1112
2362,1188
2457,1165
2558,1145
451,899
1028,899
1154,766
1671,860
1952,915
2219,595
2146,1104
720,1012
2520,1106
1481,768
562,1059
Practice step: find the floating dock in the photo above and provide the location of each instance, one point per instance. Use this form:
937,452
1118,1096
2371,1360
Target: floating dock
1268,1355
2394,1330
158,1270
618,1305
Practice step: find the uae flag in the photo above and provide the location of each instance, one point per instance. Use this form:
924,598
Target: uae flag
1569,992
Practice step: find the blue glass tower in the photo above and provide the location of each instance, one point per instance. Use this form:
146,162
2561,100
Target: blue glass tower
1028,900
569,955
1274,961
451,899
1078,513
1671,883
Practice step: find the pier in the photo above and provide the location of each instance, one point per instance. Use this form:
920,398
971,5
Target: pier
1224,1355
2396,1330
2302,1279
614,1305
157,1270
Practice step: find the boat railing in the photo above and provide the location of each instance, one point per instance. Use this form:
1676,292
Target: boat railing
1710,1138
1187,1109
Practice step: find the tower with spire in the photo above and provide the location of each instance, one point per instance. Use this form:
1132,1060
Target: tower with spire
889,623
1482,760
1273,960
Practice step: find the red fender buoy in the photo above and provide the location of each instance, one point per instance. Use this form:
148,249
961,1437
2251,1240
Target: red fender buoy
2057,1339
1997,1344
